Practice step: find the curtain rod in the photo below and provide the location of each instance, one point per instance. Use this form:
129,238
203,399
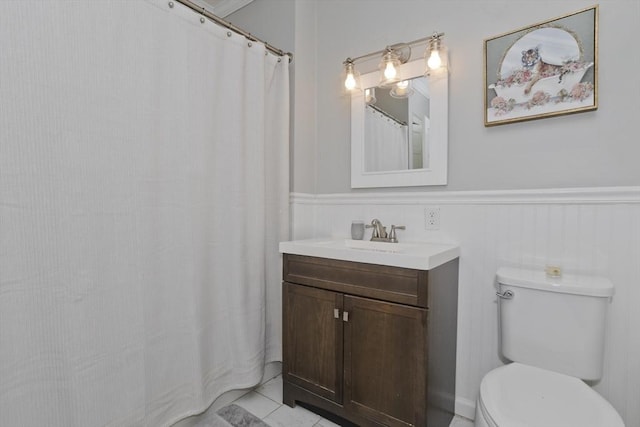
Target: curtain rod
387,115
230,26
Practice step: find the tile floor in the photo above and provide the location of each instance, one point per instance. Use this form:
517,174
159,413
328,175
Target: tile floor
265,402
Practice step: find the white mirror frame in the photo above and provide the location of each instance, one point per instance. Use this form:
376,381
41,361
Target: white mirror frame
436,173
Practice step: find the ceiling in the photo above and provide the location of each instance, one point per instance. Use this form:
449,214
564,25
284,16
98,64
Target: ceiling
222,8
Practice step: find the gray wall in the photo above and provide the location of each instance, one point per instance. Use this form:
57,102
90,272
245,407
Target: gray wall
270,20
592,149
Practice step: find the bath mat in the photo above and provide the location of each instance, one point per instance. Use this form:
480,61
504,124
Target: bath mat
237,416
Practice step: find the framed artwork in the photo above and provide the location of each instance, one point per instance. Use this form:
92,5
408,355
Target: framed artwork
544,70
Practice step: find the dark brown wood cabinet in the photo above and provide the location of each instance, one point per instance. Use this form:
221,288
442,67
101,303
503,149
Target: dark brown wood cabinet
373,344
314,340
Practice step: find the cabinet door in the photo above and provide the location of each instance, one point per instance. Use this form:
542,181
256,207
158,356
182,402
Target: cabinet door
385,361
313,340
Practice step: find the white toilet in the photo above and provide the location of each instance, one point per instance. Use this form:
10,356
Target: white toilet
553,331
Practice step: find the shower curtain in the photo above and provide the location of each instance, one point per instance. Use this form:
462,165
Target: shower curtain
143,191
387,143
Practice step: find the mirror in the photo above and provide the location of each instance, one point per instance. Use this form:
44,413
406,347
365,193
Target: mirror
396,126
400,141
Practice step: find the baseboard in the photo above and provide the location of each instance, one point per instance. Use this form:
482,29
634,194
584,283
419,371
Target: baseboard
271,370
465,408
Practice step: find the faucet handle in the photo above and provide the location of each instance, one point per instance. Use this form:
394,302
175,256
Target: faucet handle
392,234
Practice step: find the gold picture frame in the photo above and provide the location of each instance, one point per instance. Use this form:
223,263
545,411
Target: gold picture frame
543,70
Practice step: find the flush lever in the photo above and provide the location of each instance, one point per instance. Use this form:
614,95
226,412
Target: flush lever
506,294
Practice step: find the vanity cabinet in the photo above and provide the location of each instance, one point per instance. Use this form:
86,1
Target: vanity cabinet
373,344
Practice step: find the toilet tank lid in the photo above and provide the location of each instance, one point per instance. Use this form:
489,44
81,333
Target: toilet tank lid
567,283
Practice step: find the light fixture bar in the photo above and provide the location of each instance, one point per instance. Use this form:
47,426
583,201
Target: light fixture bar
393,57
381,51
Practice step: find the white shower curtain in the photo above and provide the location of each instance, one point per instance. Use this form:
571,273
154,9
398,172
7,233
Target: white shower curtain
386,147
143,190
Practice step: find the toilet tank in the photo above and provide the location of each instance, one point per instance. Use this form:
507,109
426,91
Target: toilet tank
554,323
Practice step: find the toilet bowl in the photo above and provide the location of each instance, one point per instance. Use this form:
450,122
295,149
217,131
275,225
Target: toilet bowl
552,330
517,395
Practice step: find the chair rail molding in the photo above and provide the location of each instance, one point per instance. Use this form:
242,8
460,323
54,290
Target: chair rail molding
587,195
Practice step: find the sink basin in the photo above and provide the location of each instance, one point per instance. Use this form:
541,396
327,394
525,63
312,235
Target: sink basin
368,245
417,255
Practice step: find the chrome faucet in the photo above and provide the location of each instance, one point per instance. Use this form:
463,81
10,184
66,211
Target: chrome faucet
380,232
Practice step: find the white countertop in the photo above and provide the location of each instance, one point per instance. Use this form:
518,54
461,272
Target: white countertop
416,255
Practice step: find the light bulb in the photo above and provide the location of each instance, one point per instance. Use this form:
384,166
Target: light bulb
350,82
400,90
351,77
434,61
390,71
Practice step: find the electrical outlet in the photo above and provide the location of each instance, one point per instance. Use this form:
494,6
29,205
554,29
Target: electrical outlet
432,218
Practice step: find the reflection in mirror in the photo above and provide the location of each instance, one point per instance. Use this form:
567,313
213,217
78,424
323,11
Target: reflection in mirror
397,126
399,137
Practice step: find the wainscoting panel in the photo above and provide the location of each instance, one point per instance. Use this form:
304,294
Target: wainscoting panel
585,231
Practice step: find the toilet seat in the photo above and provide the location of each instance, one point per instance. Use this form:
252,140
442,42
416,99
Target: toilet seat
517,395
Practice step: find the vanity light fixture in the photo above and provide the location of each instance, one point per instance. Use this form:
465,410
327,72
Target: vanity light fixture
352,77
435,53
389,72
393,57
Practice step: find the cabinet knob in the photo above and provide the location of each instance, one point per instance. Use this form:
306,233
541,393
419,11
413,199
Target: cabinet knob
336,313
345,316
